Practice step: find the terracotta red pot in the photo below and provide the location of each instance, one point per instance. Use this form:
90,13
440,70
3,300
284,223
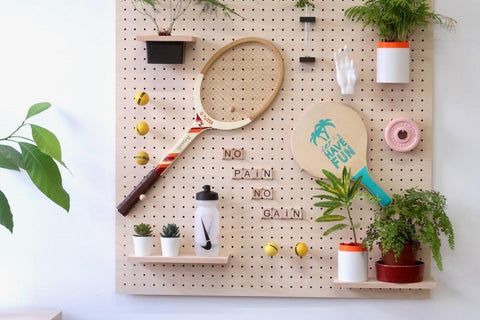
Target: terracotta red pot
400,274
408,256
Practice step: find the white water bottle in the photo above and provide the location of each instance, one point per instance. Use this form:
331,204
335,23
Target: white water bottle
207,223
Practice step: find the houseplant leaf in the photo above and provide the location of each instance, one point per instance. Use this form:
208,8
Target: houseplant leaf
6,217
336,227
12,155
37,108
47,142
330,218
331,209
354,189
7,158
44,173
328,204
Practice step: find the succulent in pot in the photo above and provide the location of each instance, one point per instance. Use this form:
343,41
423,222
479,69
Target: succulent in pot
170,239
395,22
143,239
340,193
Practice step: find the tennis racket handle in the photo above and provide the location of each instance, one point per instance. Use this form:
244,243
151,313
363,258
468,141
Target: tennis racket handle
134,196
373,187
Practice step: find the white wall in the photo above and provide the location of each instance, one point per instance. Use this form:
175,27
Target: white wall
63,52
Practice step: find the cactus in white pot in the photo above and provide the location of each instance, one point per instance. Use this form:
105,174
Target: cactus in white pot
143,240
170,240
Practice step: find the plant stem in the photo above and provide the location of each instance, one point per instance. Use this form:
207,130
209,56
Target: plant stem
16,130
19,137
351,223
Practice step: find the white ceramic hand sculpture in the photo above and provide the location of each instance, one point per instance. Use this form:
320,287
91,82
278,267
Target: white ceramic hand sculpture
346,73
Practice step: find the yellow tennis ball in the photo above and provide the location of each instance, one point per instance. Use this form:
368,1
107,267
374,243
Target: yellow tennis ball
141,158
142,128
141,98
301,249
271,249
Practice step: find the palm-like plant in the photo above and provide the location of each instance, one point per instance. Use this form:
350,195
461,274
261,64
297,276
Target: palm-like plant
340,193
397,20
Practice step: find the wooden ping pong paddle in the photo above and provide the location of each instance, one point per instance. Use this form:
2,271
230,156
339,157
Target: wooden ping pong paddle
330,136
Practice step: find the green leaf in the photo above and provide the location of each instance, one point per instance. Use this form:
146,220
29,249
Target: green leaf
327,204
6,217
330,210
335,181
47,142
44,173
354,189
328,197
37,108
330,218
335,228
12,155
8,158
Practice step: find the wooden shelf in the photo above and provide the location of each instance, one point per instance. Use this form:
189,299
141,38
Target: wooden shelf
167,38
181,259
427,284
30,315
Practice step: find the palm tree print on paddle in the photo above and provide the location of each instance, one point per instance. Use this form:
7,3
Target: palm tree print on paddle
321,131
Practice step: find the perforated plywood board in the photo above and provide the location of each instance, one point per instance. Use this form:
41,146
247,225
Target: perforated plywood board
267,145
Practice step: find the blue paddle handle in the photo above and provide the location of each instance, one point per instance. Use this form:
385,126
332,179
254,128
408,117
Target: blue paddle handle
374,189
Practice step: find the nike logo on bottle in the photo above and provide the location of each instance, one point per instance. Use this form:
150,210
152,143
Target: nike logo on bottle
208,246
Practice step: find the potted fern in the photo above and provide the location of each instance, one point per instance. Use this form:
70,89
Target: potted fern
395,22
143,240
163,47
415,217
340,193
170,238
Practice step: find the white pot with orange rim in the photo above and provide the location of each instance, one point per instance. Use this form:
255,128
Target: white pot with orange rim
352,262
393,62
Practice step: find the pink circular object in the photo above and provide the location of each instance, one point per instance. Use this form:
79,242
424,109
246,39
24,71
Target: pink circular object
402,134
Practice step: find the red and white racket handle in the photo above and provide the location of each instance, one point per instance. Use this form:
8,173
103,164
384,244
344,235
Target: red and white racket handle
147,182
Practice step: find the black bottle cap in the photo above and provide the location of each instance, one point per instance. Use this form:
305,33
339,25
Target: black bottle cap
207,194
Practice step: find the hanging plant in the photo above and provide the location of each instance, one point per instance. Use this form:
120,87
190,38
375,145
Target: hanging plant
153,9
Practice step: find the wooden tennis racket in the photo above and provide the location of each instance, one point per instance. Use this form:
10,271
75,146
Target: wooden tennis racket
330,136
235,86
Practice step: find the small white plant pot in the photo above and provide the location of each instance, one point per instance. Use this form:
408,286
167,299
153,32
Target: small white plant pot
393,62
142,245
170,247
352,262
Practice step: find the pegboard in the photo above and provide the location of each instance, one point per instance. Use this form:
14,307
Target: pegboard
266,143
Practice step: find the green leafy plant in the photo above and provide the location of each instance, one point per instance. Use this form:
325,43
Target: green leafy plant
175,9
340,193
143,230
304,3
397,20
37,156
415,216
170,231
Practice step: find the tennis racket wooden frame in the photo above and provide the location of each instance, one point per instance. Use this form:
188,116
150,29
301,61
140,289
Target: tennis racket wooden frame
202,123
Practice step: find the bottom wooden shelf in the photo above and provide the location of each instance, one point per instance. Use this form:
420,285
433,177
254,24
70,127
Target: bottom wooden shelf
427,284
181,259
